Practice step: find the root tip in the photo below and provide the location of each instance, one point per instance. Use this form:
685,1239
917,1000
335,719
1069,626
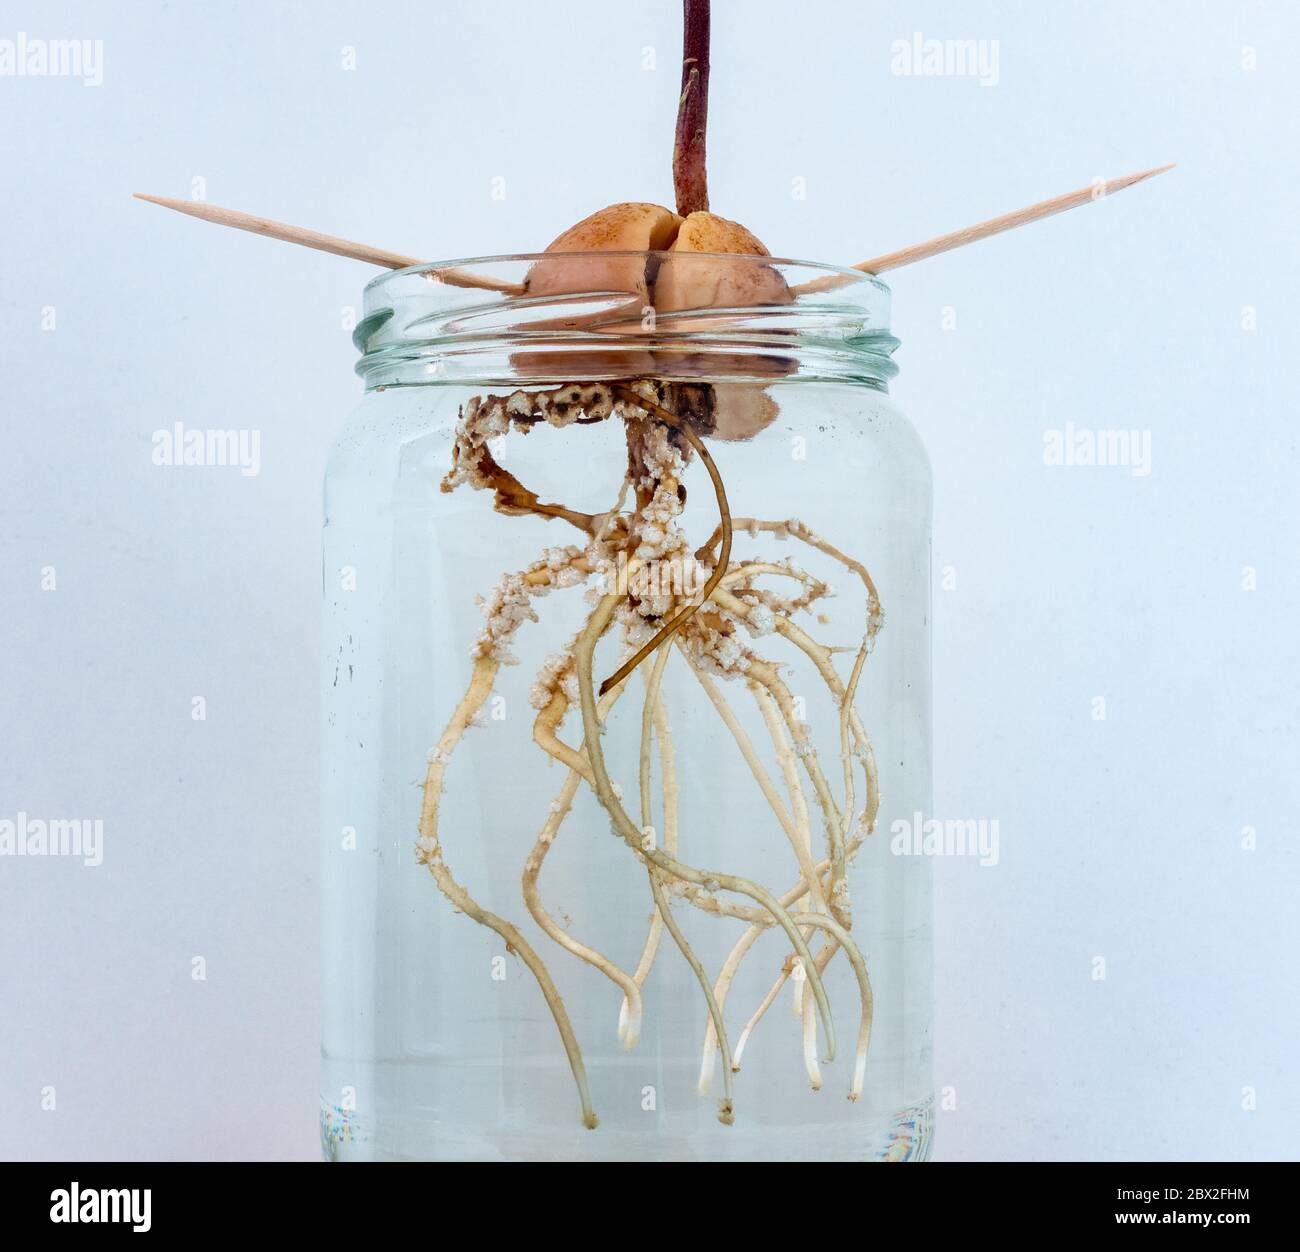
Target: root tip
726,1114
591,1121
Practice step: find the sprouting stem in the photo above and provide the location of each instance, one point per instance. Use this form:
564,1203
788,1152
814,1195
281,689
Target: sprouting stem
690,176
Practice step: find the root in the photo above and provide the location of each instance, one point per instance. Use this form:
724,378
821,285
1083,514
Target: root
798,837
728,973
547,739
430,853
793,528
515,500
776,728
820,655
766,674
707,632
770,794
667,631
630,1023
726,1108
768,1000
653,713
627,830
859,964
843,696
785,758
810,1033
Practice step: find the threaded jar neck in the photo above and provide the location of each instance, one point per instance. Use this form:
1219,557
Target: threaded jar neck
560,317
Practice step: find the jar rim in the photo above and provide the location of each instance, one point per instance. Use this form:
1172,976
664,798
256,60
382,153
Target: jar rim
476,264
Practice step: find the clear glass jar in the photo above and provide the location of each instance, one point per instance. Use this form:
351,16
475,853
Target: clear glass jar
524,937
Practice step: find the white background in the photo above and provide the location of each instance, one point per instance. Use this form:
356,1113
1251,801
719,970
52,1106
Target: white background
1120,839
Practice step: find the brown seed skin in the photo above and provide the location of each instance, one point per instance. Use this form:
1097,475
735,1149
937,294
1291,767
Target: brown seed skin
628,227
699,285
635,227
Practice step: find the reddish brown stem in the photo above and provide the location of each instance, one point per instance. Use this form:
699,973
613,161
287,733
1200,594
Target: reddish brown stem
690,179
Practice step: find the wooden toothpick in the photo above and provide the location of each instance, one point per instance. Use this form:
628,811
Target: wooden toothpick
973,234
323,243
462,278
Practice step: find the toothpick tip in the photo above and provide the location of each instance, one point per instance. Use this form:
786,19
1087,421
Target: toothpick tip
193,207
1127,180
1096,190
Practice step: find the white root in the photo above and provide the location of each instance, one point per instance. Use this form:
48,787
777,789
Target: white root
430,853
630,1025
626,829
802,852
809,1033
858,961
797,836
766,1004
706,634
654,713
728,973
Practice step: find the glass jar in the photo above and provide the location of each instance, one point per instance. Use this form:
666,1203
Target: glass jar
540,900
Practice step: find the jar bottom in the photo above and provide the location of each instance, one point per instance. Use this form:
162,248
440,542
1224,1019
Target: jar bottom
420,1132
